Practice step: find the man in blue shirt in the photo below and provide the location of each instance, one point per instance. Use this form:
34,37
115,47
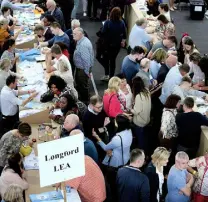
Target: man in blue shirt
132,184
60,36
179,180
83,62
174,77
130,65
138,36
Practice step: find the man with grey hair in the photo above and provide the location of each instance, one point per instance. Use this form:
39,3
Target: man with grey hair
55,12
138,36
179,181
83,61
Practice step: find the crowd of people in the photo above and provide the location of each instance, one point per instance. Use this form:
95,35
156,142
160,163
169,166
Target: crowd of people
142,136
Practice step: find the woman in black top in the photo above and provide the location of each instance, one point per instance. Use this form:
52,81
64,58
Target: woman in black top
114,34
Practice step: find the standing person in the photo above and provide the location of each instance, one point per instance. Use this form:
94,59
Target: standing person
154,172
55,12
75,8
66,8
11,142
111,102
130,65
200,191
132,184
114,33
179,180
10,103
13,174
91,186
83,61
92,14
117,150
141,110
189,128
168,130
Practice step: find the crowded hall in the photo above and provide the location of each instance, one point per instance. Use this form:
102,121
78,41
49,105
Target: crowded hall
103,101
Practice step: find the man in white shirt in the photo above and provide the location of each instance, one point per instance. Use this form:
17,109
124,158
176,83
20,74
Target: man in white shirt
138,36
10,103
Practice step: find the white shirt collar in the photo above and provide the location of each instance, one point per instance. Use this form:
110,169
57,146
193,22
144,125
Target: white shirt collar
92,110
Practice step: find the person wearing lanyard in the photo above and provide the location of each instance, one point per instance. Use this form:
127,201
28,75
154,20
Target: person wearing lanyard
10,102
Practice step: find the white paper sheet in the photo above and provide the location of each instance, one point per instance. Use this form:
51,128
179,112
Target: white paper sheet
31,162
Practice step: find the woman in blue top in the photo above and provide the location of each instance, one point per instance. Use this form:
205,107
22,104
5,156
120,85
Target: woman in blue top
115,156
114,34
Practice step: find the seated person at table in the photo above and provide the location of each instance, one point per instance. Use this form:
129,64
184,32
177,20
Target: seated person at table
47,21
68,106
189,128
71,123
57,87
10,102
6,12
4,34
130,64
184,90
158,58
42,33
55,12
170,62
174,77
60,36
165,44
164,9
9,52
5,71
64,49
179,181
13,174
138,35
164,27
14,193
11,142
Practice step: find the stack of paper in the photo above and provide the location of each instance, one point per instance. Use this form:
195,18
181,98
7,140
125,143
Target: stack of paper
31,162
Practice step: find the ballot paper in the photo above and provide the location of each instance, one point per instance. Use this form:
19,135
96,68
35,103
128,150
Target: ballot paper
28,112
30,162
57,112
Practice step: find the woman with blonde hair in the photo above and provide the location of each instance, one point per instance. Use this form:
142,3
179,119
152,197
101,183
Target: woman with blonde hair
5,65
158,57
154,172
112,105
14,193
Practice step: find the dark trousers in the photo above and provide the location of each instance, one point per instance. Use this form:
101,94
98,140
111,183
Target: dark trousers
67,10
105,9
94,4
82,81
8,122
108,60
139,133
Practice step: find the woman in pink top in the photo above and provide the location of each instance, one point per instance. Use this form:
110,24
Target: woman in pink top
13,174
112,105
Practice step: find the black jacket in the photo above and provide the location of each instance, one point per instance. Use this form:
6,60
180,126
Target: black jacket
150,171
162,73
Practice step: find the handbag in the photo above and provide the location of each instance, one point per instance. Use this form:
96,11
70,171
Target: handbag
110,171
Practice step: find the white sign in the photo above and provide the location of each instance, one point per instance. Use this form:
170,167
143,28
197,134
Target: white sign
61,160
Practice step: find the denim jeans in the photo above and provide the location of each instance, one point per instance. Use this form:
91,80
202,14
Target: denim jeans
74,11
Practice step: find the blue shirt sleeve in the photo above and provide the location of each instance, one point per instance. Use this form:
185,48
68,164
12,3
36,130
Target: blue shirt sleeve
51,41
111,145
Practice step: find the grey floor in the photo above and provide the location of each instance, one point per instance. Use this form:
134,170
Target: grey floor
198,30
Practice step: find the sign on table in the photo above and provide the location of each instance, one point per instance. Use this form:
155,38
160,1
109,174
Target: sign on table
61,160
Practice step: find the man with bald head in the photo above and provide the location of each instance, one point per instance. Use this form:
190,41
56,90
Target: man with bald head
71,123
170,62
56,12
83,61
